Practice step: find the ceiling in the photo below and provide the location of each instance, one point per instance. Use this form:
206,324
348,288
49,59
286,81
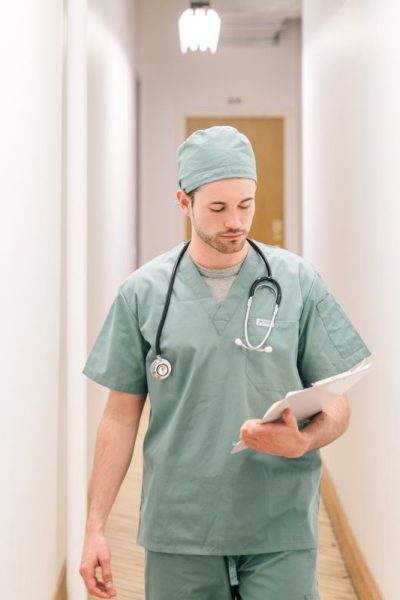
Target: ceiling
257,5
254,22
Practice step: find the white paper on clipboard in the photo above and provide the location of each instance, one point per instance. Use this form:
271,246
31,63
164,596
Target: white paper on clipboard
310,401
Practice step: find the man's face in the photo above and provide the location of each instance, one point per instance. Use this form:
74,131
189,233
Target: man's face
222,213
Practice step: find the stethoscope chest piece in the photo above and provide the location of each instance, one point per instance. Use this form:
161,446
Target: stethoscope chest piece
160,368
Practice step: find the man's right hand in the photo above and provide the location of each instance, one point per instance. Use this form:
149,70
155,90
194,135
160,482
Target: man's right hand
96,553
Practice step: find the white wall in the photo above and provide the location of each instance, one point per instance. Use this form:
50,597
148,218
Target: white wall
31,45
175,86
34,251
112,70
351,232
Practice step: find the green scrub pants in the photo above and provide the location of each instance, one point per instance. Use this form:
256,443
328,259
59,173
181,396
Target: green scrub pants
286,575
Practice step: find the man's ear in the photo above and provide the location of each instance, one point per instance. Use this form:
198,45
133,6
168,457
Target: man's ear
184,201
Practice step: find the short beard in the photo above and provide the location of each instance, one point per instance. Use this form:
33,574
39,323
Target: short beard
226,247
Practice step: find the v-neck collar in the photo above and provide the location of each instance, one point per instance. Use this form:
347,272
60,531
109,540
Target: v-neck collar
220,313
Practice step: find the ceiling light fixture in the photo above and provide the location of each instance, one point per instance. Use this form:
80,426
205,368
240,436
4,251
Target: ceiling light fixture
199,28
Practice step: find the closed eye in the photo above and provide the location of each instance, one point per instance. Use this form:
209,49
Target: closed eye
242,206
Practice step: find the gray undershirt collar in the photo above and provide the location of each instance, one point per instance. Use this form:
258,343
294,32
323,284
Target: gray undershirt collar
219,280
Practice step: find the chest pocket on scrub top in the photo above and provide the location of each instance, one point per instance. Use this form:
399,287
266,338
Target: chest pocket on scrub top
270,370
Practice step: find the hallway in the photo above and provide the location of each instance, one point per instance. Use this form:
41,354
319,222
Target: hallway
127,558
96,97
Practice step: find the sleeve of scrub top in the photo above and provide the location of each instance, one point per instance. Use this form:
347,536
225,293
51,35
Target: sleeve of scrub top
328,342
118,357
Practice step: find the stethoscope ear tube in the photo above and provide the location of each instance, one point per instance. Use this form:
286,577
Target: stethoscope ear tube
267,282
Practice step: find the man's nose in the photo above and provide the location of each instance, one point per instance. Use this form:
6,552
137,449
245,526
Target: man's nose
233,221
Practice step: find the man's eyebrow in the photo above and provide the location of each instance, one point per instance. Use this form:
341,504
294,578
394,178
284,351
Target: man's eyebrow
220,201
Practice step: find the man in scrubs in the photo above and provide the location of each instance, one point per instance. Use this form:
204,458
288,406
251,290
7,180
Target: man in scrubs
217,525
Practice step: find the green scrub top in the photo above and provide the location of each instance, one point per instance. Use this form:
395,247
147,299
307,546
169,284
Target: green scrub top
197,498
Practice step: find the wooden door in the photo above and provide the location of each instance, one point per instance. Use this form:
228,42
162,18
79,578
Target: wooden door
266,137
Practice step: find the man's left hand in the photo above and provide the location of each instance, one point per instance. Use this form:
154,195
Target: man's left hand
283,439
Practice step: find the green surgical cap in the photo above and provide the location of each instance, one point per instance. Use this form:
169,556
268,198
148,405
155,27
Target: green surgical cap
215,153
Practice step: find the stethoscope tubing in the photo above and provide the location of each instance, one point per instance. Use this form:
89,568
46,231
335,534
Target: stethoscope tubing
260,281
168,298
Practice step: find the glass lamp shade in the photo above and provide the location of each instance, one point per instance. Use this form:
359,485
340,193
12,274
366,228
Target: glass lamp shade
199,29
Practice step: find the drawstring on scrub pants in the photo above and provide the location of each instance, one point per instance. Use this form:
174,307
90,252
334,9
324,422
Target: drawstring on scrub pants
234,582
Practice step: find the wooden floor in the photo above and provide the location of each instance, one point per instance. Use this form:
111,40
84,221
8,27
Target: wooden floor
127,559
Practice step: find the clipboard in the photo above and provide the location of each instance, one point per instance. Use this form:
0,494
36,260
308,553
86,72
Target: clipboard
312,400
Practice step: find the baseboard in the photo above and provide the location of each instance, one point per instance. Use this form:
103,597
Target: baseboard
364,584
61,587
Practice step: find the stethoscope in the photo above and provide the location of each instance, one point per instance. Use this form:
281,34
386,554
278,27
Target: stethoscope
161,368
